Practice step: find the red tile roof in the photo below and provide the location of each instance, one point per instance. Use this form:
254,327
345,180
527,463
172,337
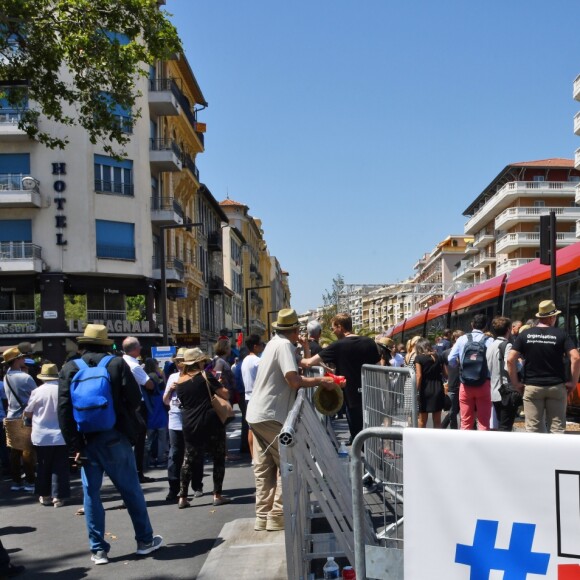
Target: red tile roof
231,202
555,162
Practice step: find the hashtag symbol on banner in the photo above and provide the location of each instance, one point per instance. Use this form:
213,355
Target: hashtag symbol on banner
517,561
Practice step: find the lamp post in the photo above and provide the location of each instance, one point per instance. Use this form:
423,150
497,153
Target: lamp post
248,290
186,226
269,321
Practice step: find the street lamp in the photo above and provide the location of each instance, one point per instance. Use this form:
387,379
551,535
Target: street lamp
248,290
188,227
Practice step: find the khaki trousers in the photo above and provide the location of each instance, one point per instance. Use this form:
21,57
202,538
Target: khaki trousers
267,469
549,400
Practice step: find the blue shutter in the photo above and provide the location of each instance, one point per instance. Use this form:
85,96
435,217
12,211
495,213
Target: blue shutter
109,161
15,163
16,231
115,240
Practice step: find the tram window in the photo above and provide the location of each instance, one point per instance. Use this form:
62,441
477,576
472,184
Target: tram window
574,313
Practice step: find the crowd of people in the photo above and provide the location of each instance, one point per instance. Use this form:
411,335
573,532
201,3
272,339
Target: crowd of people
169,418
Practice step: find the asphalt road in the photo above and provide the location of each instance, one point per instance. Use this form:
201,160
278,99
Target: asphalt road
52,542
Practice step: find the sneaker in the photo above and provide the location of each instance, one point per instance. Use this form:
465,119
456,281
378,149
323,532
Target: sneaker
44,500
183,503
260,524
198,493
16,487
57,502
29,487
144,548
100,557
275,524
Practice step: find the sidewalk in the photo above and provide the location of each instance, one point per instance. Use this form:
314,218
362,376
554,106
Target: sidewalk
200,542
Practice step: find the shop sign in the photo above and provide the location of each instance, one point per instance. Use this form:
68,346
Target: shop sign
50,314
16,328
117,326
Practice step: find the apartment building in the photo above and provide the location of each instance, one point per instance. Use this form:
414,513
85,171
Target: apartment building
233,242
79,230
576,95
504,218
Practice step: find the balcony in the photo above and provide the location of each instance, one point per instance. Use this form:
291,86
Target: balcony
166,211
514,215
466,271
578,195
17,316
578,229
174,269
506,266
190,164
9,130
485,259
513,190
577,124
576,90
165,155
214,241
253,271
190,115
20,257
577,158
470,249
99,316
483,239
513,241
164,97
19,190
216,285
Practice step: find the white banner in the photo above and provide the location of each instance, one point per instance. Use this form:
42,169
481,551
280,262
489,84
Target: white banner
491,505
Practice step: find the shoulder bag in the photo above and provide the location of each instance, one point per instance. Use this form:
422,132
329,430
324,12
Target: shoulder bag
222,408
18,435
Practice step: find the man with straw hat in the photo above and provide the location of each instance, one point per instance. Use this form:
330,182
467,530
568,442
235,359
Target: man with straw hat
53,476
275,387
18,385
543,348
107,451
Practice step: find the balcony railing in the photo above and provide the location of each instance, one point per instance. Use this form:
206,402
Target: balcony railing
511,241
93,315
19,251
8,117
165,145
17,316
216,284
18,182
112,252
167,204
508,265
104,186
190,164
513,215
576,89
171,263
214,241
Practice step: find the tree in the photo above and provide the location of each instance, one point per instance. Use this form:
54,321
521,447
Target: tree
77,61
331,302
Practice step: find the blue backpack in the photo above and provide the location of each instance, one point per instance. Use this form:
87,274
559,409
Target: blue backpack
473,369
92,397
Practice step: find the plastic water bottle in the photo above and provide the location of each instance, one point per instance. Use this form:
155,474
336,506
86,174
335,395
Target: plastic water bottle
331,569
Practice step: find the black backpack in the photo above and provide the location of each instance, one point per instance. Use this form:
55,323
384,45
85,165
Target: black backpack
473,371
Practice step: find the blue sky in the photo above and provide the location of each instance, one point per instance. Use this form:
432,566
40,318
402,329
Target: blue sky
359,131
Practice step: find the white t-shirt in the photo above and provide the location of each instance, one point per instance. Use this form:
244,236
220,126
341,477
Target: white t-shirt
272,397
175,420
43,404
249,371
138,372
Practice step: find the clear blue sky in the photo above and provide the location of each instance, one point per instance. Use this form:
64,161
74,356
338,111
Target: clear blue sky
359,130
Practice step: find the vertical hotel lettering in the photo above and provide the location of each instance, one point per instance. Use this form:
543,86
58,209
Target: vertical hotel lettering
59,187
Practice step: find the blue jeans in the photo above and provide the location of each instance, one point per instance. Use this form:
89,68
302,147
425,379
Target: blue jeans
110,452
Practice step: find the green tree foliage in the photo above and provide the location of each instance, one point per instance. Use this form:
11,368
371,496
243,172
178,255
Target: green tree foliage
136,308
75,307
103,45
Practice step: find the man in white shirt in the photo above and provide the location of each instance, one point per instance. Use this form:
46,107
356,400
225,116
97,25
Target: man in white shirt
273,395
132,349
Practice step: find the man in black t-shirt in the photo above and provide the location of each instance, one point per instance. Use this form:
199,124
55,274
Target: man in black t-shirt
543,348
349,353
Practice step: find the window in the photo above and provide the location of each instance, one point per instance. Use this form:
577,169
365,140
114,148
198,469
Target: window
123,115
538,178
539,203
112,176
16,231
115,240
13,167
574,178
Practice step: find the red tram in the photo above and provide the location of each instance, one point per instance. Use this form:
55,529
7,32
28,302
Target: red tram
515,295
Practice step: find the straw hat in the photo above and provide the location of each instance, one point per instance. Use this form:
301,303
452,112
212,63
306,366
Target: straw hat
547,308
180,353
11,354
48,372
95,334
385,342
328,402
287,320
194,355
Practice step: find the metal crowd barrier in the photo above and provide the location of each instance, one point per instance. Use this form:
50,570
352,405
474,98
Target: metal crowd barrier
316,485
389,396
381,562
